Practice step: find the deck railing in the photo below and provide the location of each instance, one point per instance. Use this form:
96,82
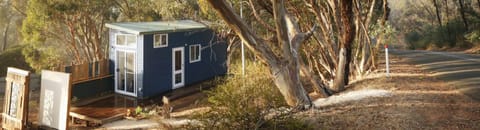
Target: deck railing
88,71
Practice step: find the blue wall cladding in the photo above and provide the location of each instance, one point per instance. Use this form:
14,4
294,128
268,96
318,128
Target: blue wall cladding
157,76
93,88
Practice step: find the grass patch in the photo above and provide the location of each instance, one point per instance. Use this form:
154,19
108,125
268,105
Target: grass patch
246,102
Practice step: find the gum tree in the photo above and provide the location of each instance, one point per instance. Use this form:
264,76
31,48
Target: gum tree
283,60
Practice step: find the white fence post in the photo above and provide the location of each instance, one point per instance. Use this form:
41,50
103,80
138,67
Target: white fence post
243,48
386,60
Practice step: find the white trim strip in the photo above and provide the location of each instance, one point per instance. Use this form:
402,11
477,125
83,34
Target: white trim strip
18,71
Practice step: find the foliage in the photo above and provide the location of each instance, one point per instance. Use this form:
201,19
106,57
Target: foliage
35,22
413,37
244,103
177,9
4,13
206,11
12,57
473,37
78,27
150,10
36,50
135,11
138,110
41,58
387,31
441,26
10,22
446,36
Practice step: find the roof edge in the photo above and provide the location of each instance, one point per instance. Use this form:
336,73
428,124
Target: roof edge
191,25
111,26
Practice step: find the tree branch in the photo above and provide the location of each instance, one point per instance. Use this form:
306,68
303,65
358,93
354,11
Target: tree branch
253,42
256,15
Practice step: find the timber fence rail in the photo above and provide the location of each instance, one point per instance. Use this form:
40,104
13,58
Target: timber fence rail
88,71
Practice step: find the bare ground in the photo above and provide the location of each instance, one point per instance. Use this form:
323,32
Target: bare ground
418,100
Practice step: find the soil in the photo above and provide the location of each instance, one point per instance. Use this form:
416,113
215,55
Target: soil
418,100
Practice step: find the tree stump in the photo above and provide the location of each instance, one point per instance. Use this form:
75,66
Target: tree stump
166,107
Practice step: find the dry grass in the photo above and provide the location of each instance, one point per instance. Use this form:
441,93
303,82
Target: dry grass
418,101
473,50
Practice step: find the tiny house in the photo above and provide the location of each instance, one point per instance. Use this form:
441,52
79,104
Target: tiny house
150,58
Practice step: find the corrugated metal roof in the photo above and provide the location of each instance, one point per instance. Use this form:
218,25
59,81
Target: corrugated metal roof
158,26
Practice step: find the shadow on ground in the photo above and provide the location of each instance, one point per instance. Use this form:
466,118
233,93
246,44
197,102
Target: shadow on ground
419,99
461,71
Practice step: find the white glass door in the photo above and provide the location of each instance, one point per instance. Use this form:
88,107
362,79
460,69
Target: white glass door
178,67
125,72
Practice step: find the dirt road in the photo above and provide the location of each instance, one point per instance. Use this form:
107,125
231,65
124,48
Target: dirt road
459,70
426,90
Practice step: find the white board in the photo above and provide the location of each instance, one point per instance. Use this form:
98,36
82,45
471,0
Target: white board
54,99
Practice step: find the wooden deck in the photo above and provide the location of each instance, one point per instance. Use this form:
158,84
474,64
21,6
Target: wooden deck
107,109
113,107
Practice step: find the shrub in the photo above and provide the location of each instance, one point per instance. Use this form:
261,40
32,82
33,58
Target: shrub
244,103
12,57
449,35
473,37
412,38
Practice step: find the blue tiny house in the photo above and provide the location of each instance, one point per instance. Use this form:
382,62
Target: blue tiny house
150,58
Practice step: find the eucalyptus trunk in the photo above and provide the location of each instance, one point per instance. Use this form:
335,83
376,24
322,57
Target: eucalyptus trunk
462,13
284,68
345,53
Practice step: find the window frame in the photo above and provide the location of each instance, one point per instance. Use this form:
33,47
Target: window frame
199,56
160,45
126,40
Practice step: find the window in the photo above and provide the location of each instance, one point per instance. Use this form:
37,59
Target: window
121,40
195,53
126,40
160,40
131,40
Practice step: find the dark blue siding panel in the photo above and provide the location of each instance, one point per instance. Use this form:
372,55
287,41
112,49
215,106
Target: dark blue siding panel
213,58
111,66
157,76
157,68
93,88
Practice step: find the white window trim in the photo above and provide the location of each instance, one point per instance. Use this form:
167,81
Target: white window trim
135,89
182,71
160,46
199,53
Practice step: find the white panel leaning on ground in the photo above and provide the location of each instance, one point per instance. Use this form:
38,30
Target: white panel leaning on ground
54,99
